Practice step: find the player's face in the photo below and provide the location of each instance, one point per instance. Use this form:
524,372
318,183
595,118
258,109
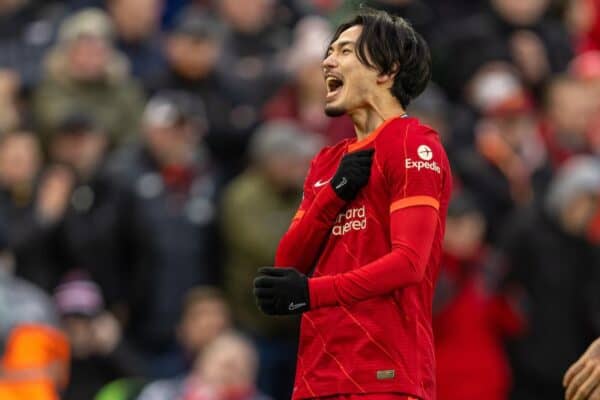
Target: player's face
349,83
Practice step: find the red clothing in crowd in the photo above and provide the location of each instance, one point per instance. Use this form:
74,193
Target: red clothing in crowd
590,40
469,335
558,153
375,263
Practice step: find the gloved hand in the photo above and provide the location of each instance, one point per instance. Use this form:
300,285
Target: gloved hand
352,174
281,291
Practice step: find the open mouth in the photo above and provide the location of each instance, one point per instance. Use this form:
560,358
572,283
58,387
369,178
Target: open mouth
334,86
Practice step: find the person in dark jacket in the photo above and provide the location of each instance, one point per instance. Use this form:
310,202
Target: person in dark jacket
99,354
140,38
194,49
555,262
69,215
172,221
521,32
81,208
20,166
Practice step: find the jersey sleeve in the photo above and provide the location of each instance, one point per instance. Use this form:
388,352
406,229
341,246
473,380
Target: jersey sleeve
412,234
301,245
414,168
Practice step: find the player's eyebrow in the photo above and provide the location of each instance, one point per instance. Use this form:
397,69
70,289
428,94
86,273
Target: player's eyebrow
339,45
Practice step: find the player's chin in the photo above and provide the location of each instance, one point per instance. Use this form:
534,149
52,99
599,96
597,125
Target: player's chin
332,110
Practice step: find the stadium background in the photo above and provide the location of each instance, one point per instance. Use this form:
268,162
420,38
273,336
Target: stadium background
152,153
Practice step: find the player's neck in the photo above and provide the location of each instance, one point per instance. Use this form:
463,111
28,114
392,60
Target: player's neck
366,120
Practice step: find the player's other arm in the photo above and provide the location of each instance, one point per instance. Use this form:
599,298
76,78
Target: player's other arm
413,230
302,243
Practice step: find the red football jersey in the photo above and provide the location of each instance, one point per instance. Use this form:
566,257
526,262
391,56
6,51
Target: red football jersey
355,340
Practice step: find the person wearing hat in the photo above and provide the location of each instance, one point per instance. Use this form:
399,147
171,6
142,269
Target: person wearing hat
194,49
84,72
171,218
99,353
554,255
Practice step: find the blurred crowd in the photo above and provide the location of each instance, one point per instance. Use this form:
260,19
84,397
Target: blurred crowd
152,153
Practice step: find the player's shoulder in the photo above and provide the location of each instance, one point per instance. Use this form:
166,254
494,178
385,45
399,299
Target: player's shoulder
407,143
407,129
408,134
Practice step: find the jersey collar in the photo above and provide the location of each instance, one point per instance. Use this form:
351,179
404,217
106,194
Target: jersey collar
361,144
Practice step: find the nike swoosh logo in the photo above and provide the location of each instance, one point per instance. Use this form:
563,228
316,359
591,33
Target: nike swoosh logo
320,183
293,306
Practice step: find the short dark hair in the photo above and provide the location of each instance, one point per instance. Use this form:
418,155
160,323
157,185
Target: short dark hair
387,43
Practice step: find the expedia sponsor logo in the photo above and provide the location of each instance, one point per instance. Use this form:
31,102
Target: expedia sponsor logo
424,152
353,219
419,165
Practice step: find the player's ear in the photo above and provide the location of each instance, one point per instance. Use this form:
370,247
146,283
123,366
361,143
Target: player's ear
388,77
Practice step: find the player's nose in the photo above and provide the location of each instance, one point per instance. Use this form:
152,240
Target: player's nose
329,62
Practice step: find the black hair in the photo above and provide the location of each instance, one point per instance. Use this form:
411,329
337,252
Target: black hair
389,44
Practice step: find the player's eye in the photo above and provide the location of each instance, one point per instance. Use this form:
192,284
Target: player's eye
346,51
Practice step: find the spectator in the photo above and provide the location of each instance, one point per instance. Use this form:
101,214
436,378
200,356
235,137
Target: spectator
10,85
80,209
568,126
35,363
171,220
303,99
582,18
98,351
139,38
20,165
20,301
472,316
507,166
84,73
517,31
269,192
251,63
194,49
433,108
555,263
205,315
20,162
226,370
27,28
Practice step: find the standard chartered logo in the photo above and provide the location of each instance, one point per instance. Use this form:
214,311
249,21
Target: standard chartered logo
353,219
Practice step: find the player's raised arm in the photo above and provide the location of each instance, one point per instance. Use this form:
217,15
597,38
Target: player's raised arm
300,246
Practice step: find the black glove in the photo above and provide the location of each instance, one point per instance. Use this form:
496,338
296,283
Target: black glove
281,291
352,174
